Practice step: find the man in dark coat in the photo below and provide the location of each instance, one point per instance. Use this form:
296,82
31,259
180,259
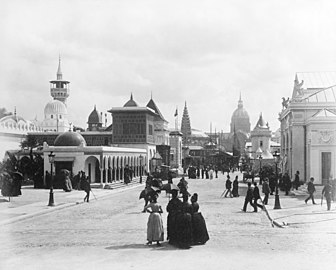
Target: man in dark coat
311,189
287,183
326,191
296,182
85,185
256,197
228,186
266,190
248,197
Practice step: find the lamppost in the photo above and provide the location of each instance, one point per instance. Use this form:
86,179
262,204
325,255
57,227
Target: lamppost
141,157
276,156
260,169
51,194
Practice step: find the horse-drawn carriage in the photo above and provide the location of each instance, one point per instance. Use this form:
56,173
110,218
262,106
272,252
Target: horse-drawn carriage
248,175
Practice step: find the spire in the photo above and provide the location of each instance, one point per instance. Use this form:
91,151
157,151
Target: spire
131,96
185,124
240,102
59,72
261,122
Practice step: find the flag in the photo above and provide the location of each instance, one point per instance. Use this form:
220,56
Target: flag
175,113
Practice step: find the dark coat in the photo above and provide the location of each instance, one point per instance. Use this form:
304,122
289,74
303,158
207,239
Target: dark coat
249,194
311,187
256,194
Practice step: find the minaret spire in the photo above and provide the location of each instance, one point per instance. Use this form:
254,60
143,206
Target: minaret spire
59,71
59,88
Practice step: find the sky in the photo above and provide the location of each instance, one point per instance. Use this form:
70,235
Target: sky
204,53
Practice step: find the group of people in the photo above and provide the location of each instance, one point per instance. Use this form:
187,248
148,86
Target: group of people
252,197
228,185
185,224
204,172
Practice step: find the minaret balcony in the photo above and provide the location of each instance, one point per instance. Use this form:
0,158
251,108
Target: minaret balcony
64,92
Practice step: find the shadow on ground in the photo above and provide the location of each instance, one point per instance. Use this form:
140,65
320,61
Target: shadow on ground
163,246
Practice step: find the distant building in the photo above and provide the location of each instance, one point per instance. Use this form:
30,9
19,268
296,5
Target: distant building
55,112
308,127
261,140
13,130
240,120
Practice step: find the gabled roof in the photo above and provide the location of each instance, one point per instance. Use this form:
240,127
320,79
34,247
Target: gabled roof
151,104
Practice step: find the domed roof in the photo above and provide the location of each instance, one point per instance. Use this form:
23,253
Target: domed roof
94,117
55,107
240,112
131,103
69,139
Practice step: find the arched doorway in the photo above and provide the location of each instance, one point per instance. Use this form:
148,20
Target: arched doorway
92,169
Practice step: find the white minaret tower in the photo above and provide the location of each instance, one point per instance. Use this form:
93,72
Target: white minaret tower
59,89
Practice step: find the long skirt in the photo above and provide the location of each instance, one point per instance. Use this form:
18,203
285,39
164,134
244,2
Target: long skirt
184,230
155,230
200,232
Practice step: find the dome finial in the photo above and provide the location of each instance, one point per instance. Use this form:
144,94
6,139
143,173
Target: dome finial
59,72
240,102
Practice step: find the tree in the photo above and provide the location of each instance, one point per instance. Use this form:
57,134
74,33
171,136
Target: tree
3,112
10,176
32,166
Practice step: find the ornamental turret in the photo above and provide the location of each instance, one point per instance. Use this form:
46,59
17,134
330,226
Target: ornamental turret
59,89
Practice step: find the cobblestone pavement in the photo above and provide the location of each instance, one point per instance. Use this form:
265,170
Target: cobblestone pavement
110,233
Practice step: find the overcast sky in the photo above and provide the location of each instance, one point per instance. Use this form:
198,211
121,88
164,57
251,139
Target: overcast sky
201,52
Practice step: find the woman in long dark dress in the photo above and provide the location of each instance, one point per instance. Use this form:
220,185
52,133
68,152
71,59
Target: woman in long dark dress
184,223
200,232
173,209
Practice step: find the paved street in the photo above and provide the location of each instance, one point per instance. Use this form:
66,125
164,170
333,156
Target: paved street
110,233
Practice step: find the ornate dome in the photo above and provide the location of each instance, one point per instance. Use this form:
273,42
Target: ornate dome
55,107
240,112
94,117
70,139
131,103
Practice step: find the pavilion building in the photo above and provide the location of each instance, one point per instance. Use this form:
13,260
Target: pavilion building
308,127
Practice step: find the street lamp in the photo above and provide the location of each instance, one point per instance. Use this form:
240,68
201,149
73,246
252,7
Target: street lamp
141,157
276,156
51,194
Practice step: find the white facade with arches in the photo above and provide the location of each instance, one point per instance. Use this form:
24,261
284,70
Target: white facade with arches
101,164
